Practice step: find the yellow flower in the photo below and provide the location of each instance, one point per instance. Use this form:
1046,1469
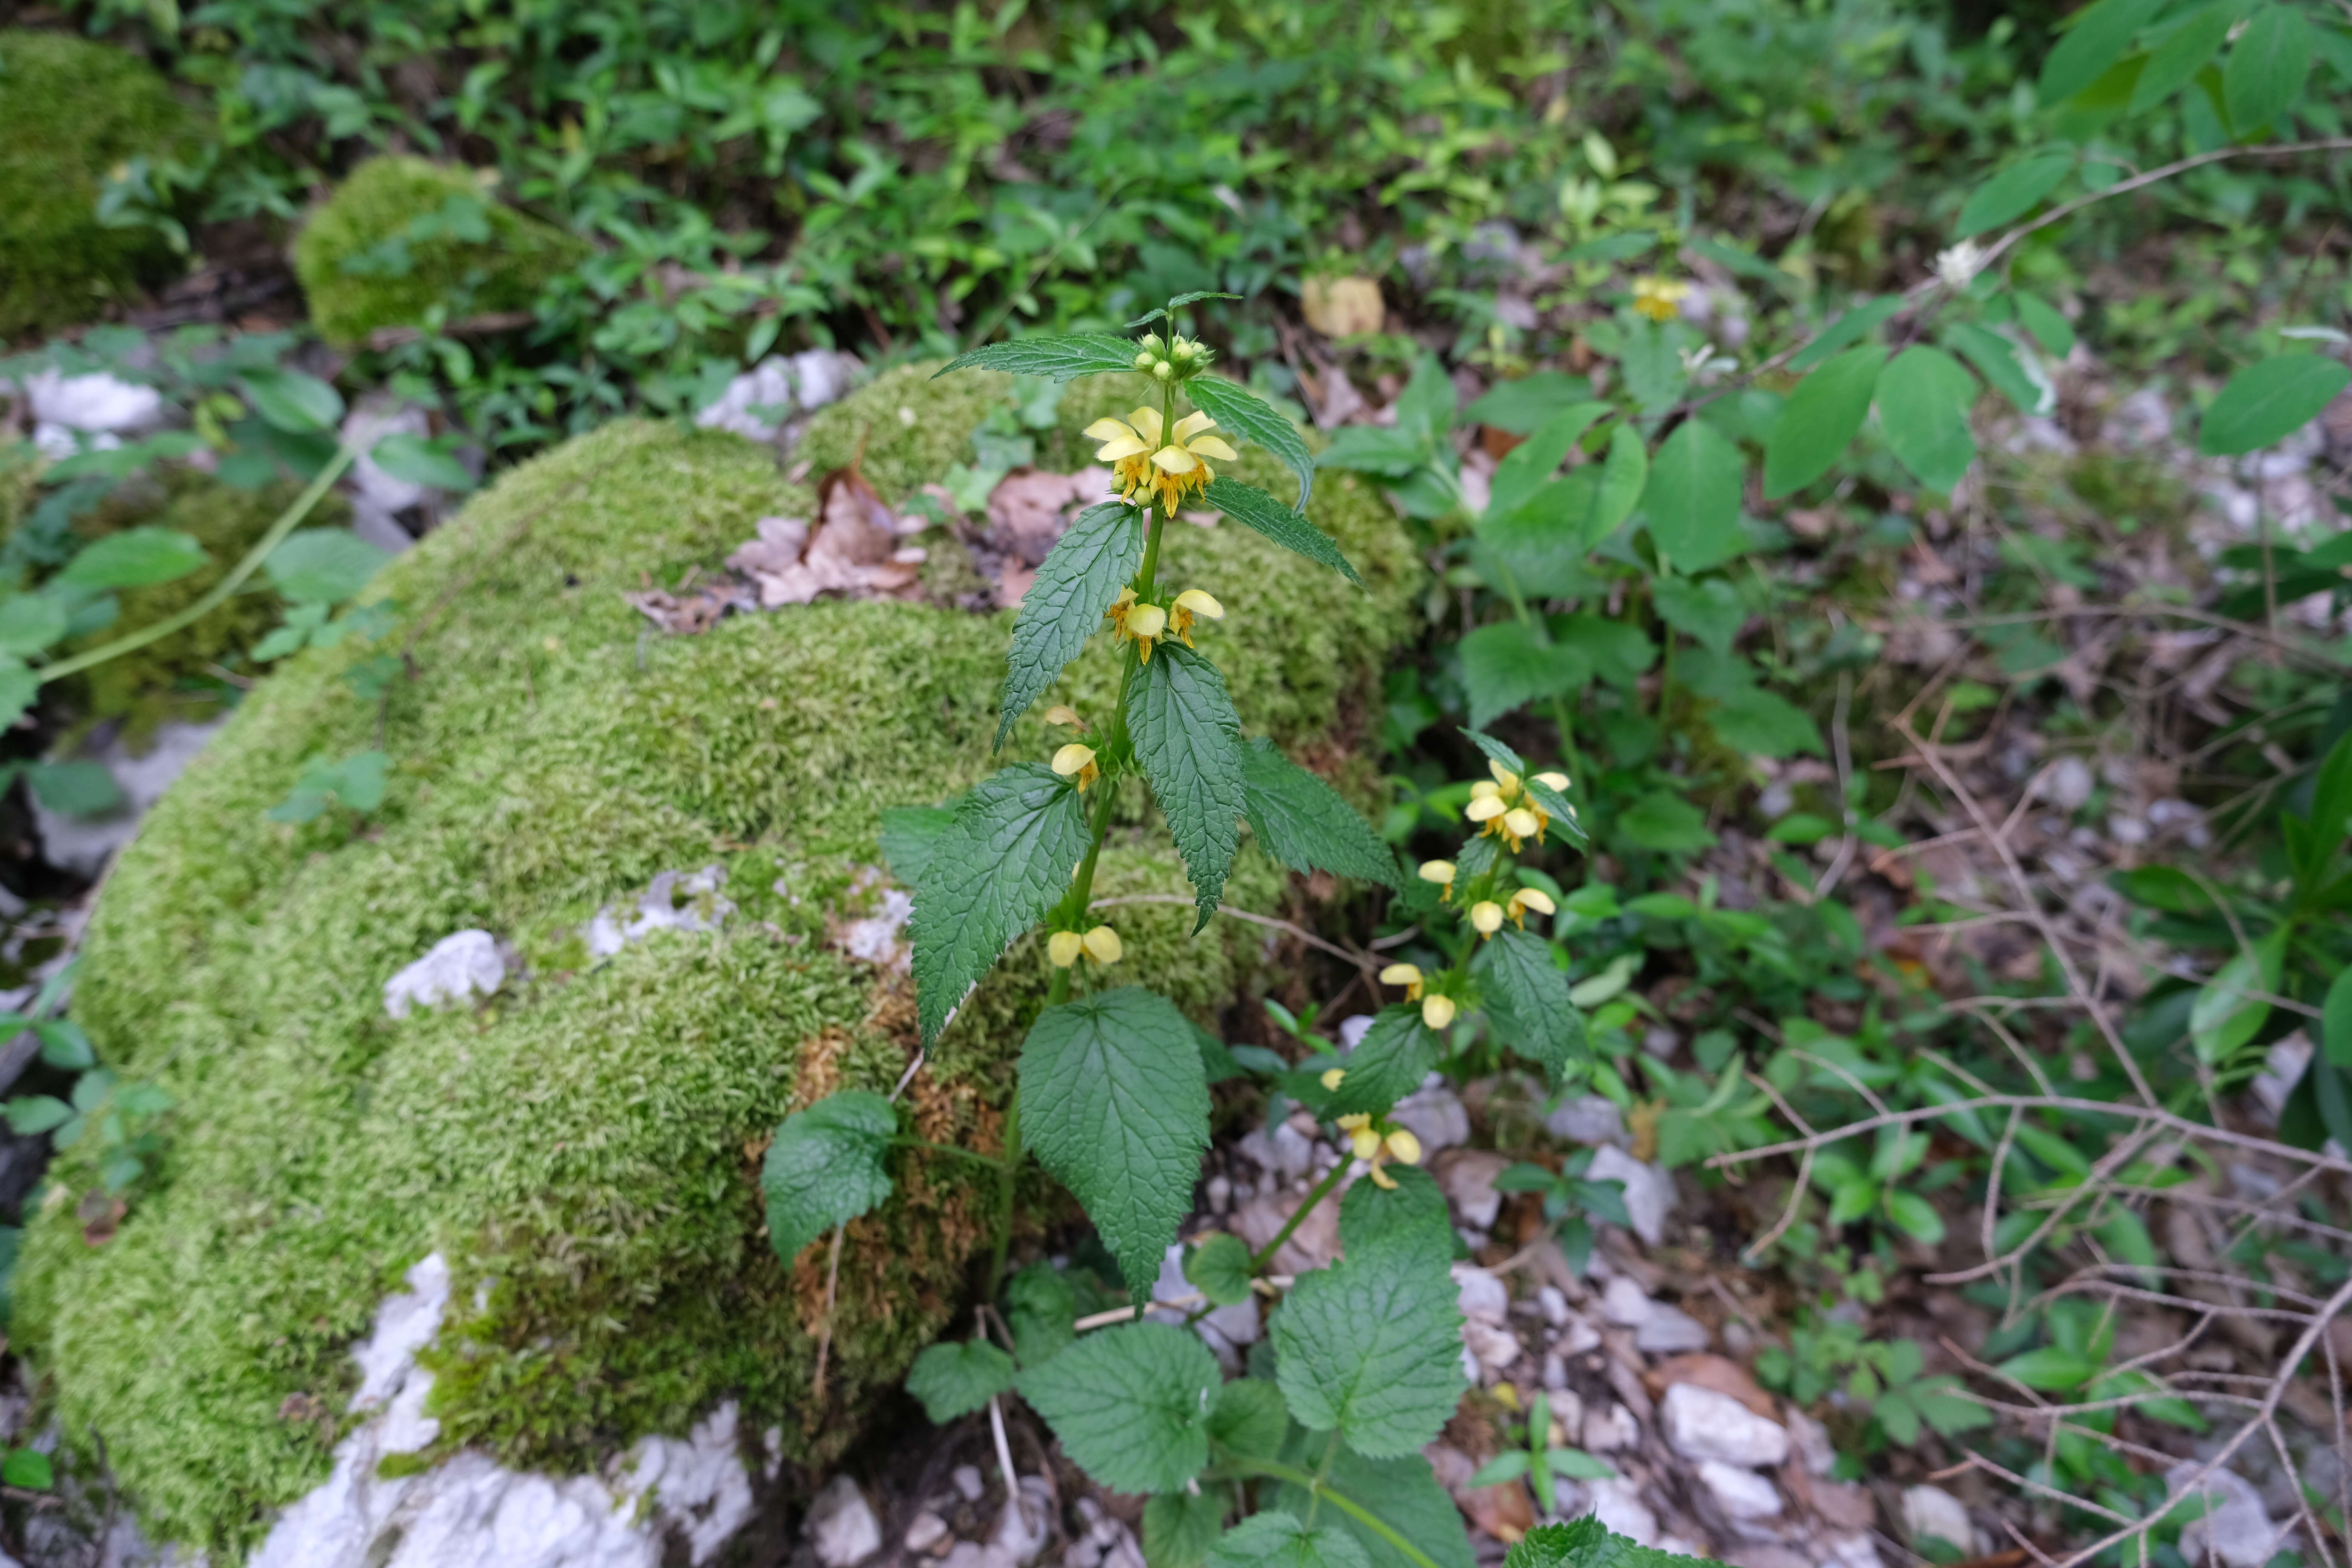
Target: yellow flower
1190,603
1363,1137
1061,713
1558,780
1404,1147
1505,779
1441,873
1102,945
1527,898
1485,808
1406,975
1521,822
1178,468
1485,917
1658,297
1375,1147
1145,623
1077,761
1064,947
1437,1012
1331,1077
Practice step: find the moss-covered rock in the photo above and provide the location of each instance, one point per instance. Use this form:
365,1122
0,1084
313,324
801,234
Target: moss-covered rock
404,235
70,111
583,1148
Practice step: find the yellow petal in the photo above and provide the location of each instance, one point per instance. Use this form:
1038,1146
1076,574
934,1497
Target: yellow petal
1146,620
1382,1179
1062,713
1486,917
1102,945
1118,446
1485,809
1110,430
1354,1119
1523,822
1191,424
1531,899
1174,461
1437,1012
1556,780
1146,424
1403,1146
1504,776
1073,758
1064,947
1486,789
1365,1142
1437,870
1401,974
1200,605
1332,1076
1210,447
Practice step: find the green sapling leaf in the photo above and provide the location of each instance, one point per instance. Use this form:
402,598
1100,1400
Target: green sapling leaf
826,1166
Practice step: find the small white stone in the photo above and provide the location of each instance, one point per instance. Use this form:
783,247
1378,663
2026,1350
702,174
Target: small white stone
1649,1191
2236,1527
1495,1348
1577,1336
1812,1442
458,968
1617,1503
1353,1029
1554,1377
1624,1303
1469,1182
1434,1114
1931,1513
927,1531
1851,1552
91,403
1554,1305
1741,1493
1587,1118
968,1481
1481,1295
1670,1330
1220,1194
1606,1431
841,1525
1700,1423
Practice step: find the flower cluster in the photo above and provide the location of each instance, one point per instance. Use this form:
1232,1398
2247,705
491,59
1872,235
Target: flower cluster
1065,947
1502,808
1436,1010
1376,1145
1166,471
1659,298
1146,623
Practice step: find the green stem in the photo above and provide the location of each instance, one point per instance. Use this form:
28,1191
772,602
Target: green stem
930,1148
1008,1171
219,591
1322,1475
1317,1487
1148,579
1322,1190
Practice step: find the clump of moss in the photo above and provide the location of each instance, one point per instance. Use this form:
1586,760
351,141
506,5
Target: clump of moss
584,1149
403,237
70,111
177,676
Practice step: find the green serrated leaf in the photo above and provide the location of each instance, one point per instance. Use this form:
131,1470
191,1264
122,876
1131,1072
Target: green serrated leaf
1276,1539
65,1045
2095,40
1999,362
1820,419
1130,1405
1017,836
1306,824
1531,462
1116,1104
1624,474
1189,740
83,788
291,401
30,622
1179,1528
1248,1419
1665,822
1388,1063
421,460
2269,401
827,1165
1706,608
1588,1543
1413,1215
1496,751
1041,1305
1370,1346
1176,304
1218,1266
1527,1001
1923,398
1692,500
1055,359
1254,509
1082,575
2267,68
1245,414
956,1379
138,557
1764,724
28,1469
2048,327
1510,664
909,834
1405,1492
322,565
2012,193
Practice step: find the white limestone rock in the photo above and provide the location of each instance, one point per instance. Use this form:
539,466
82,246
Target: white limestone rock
674,901
1649,1191
1700,1423
457,969
1931,1513
1741,1493
841,1525
83,845
2236,1527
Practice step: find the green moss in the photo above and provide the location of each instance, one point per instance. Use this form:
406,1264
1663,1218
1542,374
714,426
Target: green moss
177,676
583,1150
392,245
71,110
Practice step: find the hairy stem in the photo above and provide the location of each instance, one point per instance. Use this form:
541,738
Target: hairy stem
1322,1190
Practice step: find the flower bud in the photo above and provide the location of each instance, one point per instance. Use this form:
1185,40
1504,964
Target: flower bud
1401,974
1062,713
1147,621
1151,344
1163,371
1102,945
1437,1012
1064,947
1181,349
1144,359
1485,917
1531,899
1404,1147
1556,780
1437,871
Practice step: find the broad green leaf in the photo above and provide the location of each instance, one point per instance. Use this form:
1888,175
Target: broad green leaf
1496,751
909,833
1130,1405
2224,1016
1579,1466
1179,1528
1040,1305
2051,330
2336,1021
1082,575
1248,1419
1527,1001
2096,40
1511,663
298,404
28,1469
1923,398
1374,449
826,1166
1017,838
138,557
1425,409
1115,1103
1538,549
322,565
1370,1346
2012,193
1413,1213
1764,724
1587,1543
421,461
1388,1063
65,1045
1405,1492
1189,740
1276,1539
1531,462
75,788
1997,360
1306,824
31,1114
1693,497
1252,507
2269,401
1055,359
1556,805
30,622
2051,1369
2267,68
956,1379
1618,652
1624,474
1244,413
2184,52
1820,419
1518,406
1915,1216
1706,608
1665,822
358,782
1218,1266
1850,328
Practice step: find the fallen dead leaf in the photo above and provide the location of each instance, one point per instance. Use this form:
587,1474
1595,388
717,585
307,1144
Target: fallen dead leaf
1342,307
1030,508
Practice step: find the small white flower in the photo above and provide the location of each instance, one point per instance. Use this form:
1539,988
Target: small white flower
1955,266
